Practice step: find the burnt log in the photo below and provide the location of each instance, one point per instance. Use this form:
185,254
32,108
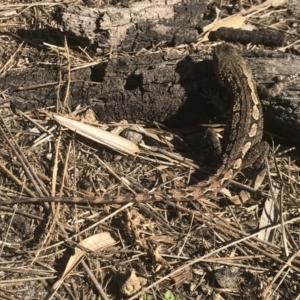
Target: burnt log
166,88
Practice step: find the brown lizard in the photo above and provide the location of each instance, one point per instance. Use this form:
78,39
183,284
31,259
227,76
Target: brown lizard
244,128
243,134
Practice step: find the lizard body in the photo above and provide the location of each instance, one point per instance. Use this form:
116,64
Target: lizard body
244,128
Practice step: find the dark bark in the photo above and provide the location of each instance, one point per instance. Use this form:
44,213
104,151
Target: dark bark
263,37
156,87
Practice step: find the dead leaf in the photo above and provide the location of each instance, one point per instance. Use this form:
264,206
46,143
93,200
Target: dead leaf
94,243
235,21
269,217
133,284
98,135
244,196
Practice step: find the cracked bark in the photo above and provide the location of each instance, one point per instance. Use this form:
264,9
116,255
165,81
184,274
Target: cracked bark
170,89
138,26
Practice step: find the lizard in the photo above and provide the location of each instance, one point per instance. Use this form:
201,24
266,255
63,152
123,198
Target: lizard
244,128
243,133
